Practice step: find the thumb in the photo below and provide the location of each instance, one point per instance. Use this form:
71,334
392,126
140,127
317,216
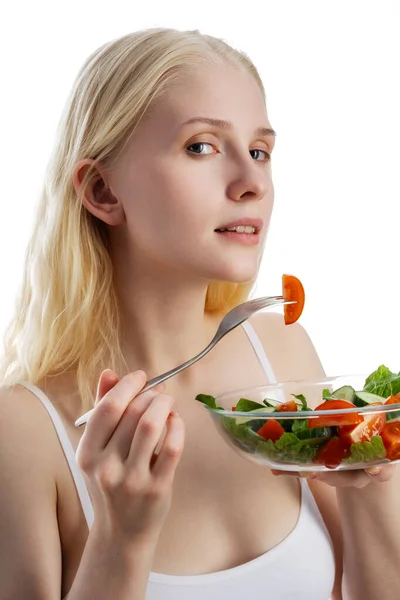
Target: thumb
107,380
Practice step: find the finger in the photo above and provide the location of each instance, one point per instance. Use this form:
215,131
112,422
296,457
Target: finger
303,474
107,380
381,474
121,440
148,432
109,411
165,463
358,478
341,479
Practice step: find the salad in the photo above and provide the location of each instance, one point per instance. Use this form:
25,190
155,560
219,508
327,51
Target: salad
330,440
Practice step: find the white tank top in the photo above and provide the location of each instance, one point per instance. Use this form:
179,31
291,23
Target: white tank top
301,567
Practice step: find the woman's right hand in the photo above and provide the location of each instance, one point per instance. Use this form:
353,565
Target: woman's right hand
130,486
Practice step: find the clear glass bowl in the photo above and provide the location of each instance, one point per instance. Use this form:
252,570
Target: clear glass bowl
308,450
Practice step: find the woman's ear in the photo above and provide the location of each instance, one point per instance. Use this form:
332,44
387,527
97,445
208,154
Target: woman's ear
98,197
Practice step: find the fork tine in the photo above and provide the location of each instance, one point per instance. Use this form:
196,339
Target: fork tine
266,301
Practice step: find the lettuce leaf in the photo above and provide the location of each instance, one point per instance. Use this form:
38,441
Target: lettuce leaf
287,449
383,382
245,405
241,434
303,401
327,394
367,451
208,401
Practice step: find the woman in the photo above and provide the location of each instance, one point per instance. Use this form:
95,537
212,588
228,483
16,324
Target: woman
164,145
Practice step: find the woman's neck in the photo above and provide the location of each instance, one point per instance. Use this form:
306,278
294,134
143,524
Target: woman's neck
163,321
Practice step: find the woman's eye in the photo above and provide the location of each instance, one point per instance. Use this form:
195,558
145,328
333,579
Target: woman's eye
256,153
201,148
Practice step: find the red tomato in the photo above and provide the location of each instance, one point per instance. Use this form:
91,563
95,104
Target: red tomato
271,430
290,406
391,439
364,431
233,408
292,289
393,400
332,453
335,420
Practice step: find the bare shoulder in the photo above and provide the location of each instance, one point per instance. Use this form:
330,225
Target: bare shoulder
289,347
30,557
23,421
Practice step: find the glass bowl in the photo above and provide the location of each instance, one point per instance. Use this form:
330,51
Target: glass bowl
304,439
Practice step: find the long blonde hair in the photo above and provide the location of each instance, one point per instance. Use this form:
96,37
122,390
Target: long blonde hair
66,314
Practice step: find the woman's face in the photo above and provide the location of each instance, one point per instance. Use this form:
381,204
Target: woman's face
198,163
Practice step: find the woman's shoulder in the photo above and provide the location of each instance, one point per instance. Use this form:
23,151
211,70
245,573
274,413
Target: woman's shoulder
28,502
26,433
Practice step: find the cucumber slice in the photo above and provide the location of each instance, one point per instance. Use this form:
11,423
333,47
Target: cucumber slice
253,414
346,392
365,398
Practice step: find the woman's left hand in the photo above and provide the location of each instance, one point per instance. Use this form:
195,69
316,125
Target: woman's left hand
357,478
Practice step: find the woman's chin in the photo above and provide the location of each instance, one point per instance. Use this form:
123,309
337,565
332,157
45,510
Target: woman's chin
239,274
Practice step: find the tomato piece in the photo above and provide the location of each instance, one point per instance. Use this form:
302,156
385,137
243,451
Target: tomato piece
332,453
292,289
271,430
391,439
233,408
393,400
290,406
335,420
363,432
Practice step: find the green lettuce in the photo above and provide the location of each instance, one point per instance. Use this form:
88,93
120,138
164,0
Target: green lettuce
367,451
245,405
241,434
208,401
287,449
383,382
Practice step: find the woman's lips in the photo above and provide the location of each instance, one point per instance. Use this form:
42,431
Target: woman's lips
248,239
254,222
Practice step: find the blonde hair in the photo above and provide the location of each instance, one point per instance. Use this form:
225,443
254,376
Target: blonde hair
66,315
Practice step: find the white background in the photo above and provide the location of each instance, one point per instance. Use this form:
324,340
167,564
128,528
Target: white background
331,71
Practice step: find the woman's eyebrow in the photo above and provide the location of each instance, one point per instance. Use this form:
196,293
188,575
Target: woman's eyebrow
222,124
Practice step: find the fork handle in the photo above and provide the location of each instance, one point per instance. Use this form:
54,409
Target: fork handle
159,379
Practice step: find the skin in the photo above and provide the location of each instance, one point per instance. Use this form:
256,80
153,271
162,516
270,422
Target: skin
159,197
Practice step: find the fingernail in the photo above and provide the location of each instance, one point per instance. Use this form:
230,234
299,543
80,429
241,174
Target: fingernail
307,475
373,470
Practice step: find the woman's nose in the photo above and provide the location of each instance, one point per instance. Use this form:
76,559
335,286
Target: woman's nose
250,184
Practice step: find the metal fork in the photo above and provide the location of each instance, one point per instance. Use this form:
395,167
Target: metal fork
232,319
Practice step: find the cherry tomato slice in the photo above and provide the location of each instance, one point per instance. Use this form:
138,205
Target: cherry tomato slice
271,430
393,400
335,420
290,406
391,439
292,289
332,453
364,431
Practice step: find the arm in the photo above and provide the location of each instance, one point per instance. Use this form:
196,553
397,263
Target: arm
110,570
369,518
364,523
30,554
30,550
371,534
